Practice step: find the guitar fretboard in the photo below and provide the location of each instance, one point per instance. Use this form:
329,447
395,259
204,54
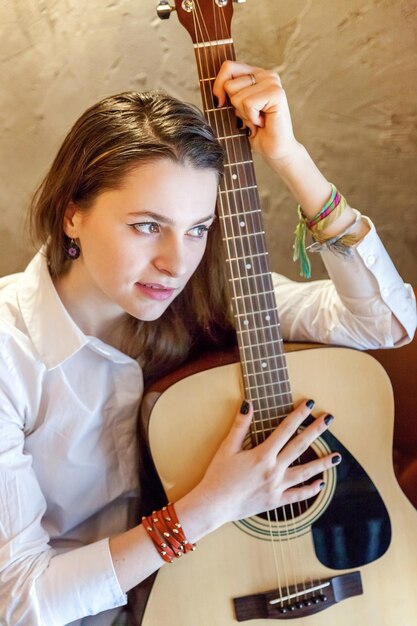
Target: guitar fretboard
260,343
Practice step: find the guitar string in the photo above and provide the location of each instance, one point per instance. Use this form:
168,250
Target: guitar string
243,181
301,506
267,397
213,107
225,225
230,160
286,380
272,340
267,381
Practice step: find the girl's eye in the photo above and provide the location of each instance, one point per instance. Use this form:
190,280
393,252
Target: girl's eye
147,228
198,231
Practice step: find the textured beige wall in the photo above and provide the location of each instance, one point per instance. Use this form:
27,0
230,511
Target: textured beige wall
349,68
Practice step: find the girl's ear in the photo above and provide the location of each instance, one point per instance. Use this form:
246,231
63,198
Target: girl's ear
71,221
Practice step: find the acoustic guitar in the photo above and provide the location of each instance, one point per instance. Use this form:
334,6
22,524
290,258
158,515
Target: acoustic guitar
346,557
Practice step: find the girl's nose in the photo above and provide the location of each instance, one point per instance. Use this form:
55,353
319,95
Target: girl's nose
171,258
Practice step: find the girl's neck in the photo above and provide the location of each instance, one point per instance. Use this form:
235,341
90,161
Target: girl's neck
88,310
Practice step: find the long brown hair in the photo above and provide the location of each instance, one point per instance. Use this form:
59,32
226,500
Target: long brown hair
109,139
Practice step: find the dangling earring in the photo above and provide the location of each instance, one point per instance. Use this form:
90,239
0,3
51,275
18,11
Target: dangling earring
73,251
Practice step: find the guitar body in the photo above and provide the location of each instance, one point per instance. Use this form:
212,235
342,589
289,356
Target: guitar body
187,423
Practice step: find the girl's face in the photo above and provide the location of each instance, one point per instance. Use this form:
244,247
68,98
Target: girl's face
141,243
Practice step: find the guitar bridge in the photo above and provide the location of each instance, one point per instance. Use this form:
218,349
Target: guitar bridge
298,600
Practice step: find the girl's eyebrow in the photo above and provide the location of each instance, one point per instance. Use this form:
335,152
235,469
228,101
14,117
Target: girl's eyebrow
166,220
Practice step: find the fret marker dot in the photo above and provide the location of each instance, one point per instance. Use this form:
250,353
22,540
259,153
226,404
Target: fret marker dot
267,317
242,224
264,365
234,176
246,322
248,266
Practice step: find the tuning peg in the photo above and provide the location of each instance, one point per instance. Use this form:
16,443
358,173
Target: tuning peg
164,9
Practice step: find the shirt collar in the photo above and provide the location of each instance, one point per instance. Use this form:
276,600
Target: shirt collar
53,332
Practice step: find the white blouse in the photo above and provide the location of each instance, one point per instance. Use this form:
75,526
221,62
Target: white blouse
68,409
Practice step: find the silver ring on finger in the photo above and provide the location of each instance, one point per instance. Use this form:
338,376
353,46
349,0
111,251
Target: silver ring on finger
252,78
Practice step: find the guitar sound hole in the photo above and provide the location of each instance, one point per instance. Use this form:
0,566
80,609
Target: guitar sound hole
291,511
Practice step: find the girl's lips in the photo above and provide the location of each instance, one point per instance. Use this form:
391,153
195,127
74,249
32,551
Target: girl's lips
154,291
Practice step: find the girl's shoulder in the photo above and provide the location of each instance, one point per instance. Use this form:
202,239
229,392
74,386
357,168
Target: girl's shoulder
21,375
19,360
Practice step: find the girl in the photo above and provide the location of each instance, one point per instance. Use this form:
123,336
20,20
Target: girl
128,281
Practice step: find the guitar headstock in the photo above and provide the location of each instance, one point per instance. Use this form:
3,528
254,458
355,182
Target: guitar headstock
205,20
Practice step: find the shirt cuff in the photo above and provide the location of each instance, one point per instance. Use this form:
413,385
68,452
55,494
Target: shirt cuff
78,583
369,284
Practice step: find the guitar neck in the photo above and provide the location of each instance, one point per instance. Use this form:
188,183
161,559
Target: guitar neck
265,374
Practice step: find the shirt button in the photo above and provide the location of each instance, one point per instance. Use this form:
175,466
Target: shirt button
370,260
385,292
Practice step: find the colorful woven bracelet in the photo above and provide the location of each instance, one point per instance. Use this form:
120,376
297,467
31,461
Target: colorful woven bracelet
340,244
331,211
328,207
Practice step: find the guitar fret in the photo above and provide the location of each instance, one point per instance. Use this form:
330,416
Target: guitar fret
264,343
259,420
268,397
273,391
253,313
239,206
244,258
237,136
251,342
249,295
238,189
257,356
253,322
219,110
261,232
237,162
249,330
268,407
249,276
240,214
273,384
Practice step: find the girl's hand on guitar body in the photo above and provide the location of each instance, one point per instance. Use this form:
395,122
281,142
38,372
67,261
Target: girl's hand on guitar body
240,483
261,103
